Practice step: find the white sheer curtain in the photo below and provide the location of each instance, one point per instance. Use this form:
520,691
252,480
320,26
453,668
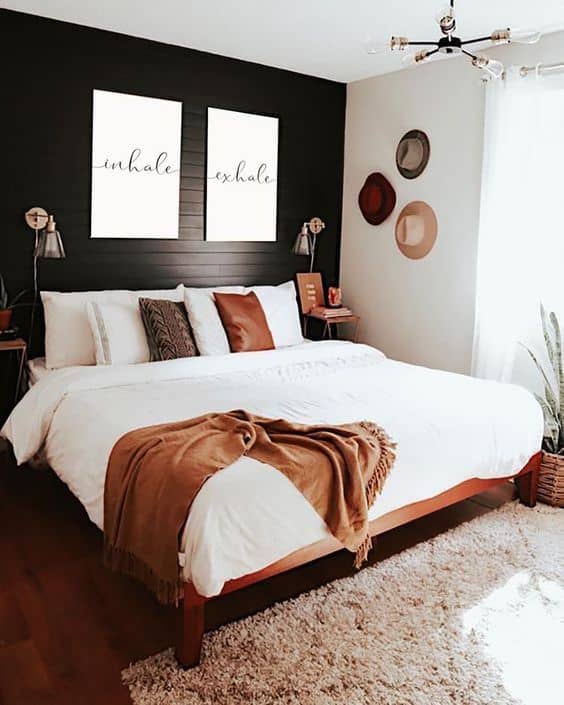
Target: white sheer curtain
521,239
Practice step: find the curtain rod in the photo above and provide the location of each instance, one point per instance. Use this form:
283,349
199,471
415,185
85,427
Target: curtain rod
542,69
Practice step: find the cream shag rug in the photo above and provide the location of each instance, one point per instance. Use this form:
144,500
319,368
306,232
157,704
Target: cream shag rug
471,617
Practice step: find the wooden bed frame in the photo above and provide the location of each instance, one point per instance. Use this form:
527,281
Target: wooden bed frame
189,643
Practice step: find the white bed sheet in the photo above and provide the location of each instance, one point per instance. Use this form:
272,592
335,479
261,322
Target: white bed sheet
448,428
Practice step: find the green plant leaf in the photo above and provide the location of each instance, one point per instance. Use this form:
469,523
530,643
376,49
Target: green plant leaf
560,373
550,421
552,402
548,334
551,425
16,298
552,396
3,294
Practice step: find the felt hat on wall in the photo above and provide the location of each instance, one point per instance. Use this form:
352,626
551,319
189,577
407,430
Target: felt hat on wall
377,199
412,154
416,230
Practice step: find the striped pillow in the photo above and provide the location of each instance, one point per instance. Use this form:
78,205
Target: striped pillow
118,334
169,334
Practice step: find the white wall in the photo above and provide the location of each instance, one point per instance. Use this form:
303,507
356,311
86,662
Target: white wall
421,311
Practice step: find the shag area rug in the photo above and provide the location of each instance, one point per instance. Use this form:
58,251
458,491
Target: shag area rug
472,617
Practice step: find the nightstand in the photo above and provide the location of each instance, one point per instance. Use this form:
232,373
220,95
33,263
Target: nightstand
327,330
18,348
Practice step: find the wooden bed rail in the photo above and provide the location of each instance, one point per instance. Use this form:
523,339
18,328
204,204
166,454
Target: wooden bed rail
189,643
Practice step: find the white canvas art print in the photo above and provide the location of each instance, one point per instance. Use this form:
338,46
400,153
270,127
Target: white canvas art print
242,171
136,146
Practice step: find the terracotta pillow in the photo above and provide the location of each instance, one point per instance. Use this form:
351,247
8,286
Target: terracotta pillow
244,321
169,334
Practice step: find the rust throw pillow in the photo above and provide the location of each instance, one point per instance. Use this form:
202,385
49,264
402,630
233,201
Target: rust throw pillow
244,321
169,334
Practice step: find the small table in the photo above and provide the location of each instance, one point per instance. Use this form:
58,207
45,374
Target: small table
327,331
18,346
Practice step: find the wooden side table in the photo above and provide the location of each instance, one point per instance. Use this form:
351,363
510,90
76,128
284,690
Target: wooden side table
327,330
17,347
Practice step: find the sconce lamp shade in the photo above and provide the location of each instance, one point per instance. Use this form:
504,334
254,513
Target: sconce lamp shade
50,243
307,239
302,246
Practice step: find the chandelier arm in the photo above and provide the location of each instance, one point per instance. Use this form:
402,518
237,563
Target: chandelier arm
468,53
423,44
478,39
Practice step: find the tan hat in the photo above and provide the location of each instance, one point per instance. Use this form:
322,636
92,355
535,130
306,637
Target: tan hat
412,154
416,229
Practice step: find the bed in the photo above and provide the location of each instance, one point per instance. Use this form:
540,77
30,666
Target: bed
456,436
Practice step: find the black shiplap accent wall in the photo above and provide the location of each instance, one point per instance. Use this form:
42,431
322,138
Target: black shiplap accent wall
50,69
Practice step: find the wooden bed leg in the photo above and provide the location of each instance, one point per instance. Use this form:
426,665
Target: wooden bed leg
527,487
189,645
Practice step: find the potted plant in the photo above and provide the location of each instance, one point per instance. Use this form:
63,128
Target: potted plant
551,477
7,305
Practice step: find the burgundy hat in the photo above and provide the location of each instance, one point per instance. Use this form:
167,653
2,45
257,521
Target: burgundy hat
377,199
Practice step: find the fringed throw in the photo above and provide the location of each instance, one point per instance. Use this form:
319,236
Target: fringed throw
155,473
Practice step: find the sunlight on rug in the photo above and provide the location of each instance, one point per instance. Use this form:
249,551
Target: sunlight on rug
473,617
521,626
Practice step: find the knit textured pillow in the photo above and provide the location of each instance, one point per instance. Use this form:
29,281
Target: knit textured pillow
169,334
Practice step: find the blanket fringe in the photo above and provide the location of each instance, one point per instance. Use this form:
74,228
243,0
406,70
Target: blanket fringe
120,561
362,552
376,481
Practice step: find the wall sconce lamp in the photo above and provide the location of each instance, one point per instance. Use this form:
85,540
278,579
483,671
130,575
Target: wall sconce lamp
306,240
48,242
48,245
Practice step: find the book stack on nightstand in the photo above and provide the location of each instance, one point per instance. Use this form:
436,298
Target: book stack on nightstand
326,314
332,319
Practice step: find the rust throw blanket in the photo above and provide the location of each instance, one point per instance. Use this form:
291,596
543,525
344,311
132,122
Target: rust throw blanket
155,473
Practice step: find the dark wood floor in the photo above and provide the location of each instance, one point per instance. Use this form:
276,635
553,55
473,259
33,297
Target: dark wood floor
68,626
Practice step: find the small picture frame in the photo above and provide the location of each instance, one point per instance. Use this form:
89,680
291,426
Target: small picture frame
310,290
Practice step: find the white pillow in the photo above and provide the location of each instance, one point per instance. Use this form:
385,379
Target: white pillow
207,327
281,311
118,333
68,336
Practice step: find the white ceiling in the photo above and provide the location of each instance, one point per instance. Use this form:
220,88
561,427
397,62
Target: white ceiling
318,37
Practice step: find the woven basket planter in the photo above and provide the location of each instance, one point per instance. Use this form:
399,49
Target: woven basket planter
551,480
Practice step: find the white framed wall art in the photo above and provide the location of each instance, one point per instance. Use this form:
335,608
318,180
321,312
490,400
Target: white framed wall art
136,151
242,173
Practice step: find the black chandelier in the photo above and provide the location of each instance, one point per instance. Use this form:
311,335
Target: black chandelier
452,45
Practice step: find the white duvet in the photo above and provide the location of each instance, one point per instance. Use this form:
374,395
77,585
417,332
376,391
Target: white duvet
448,428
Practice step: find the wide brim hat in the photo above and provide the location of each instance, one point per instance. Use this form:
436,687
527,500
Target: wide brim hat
412,154
377,199
416,230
